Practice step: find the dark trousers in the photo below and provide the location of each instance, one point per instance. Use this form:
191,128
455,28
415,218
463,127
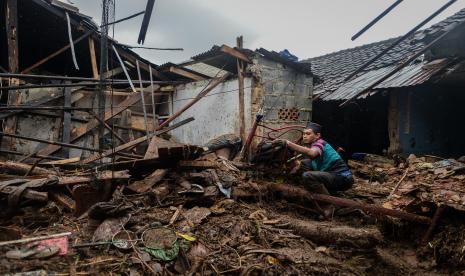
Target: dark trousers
331,181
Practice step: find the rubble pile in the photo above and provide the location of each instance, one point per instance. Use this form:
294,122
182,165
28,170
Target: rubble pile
417,184
204,216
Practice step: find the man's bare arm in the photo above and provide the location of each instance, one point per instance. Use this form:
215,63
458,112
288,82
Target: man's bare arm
312,153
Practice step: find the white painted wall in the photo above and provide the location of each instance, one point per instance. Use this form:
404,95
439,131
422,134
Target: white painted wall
215,114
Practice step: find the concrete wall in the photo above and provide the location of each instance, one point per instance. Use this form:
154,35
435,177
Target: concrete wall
272,86
283,88
215,115
431,121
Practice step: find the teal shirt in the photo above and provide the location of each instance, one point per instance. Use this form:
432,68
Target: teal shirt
329,160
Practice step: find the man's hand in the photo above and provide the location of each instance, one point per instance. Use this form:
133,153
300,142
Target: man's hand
280,142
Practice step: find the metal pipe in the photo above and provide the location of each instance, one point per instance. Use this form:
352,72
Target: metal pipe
47,141
142,97
154,116
373,22
54,108
154,48
124,68
411,32
19,87
400,66
51,77
123,19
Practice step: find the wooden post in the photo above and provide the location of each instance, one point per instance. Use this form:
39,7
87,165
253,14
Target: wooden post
12,34
11,16
393,123
66,134
93,58
240,78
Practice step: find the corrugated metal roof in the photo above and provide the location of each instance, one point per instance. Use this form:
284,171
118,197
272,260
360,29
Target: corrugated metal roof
333,68
410,75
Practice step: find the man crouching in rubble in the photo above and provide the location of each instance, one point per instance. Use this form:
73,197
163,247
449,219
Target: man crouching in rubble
324,169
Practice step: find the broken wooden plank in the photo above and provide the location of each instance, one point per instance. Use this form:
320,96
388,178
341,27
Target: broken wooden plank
15,168
145,22
63,162
33,239
198,164
105,175
63,200
93,58
185,73
155,144
145,185
234,53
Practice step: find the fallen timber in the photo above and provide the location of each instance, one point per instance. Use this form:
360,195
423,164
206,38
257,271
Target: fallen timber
294,192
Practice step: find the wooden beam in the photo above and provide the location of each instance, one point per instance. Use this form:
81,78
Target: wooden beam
11,18
394,123
56,53
147,183
240,78
234,53
155,144
93,58
184,73
12,34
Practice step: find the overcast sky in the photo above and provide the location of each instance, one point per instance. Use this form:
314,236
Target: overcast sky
307,28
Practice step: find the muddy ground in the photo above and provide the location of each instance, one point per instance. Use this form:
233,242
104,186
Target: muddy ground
259,234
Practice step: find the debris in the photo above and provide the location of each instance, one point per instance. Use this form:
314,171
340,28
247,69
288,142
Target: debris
146,184
34,239
109,228
15,168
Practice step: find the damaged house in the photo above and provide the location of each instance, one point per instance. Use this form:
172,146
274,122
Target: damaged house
51,103
52,94
417,109
269,85
111,167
